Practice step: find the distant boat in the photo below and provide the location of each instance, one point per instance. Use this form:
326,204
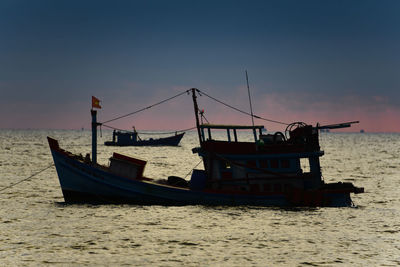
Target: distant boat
127,138
265,172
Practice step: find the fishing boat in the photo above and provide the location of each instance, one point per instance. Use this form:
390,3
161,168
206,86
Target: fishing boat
266,171
131,138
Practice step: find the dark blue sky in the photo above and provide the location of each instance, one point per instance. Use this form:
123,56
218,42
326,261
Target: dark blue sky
325,61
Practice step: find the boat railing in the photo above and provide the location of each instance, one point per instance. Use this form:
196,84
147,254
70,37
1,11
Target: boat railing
230,129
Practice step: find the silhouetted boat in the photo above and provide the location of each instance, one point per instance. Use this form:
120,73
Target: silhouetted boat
126,138
266,171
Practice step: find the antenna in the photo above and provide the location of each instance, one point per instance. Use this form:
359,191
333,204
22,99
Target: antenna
248,91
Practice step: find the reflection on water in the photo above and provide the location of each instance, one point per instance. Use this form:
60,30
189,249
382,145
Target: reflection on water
37,228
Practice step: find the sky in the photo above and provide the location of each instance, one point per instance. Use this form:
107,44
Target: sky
312,61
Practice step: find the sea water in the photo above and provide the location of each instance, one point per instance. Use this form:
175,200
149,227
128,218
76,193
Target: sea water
37,228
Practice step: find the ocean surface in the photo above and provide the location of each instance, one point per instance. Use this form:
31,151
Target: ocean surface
38,229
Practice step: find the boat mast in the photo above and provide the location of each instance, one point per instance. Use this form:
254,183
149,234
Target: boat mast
94,135
251,108
196,112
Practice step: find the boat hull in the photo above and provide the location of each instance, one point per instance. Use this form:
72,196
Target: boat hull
166,141
83,183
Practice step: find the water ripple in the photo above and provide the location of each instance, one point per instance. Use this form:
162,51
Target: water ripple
38,228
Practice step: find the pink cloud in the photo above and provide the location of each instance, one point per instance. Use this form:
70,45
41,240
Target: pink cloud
374,114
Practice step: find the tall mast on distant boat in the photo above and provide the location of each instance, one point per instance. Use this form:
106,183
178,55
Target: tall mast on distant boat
248,91
251,107
196,112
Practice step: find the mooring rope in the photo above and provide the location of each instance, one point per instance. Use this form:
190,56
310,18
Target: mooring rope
26,179
193,168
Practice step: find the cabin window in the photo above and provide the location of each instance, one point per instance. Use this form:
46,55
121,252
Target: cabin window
264,164
274,164
277,188
285,163
254,187
226,175
226,165
267,187
287,187
252,163
305,165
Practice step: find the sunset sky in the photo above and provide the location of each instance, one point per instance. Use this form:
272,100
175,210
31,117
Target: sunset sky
312,61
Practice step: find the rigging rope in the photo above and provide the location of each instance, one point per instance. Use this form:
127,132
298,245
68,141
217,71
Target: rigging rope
187,92
163,101
241,111
26,179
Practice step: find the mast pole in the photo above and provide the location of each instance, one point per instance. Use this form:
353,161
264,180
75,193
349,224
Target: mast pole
248,91
251,107
196,112
94,135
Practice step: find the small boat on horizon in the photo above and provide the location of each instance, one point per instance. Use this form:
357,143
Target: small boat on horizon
131,138
264,172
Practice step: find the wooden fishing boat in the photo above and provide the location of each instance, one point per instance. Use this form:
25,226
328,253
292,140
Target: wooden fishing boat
267,171
131,138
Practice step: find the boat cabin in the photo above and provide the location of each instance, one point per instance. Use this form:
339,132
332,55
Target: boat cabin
128,167
269,163
124,137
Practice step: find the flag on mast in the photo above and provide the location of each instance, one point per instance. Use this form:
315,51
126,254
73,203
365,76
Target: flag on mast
95,102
